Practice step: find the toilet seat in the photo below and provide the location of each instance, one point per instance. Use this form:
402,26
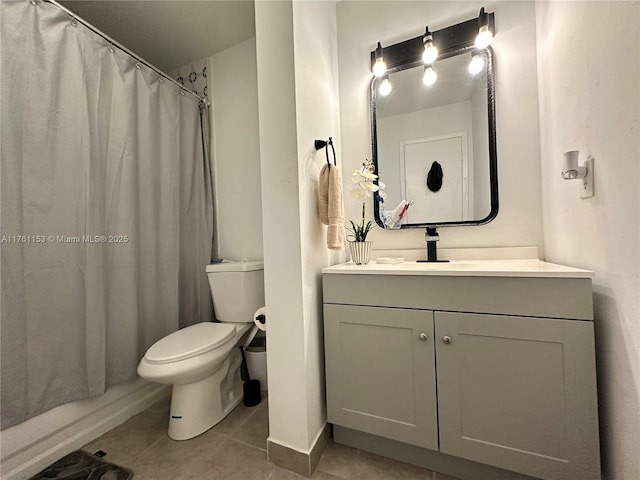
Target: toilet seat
190,342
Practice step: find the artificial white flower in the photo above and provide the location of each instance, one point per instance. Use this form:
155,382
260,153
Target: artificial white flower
371,187
358,194
368,174
364,178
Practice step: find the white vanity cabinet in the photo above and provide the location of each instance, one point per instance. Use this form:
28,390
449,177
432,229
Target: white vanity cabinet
457,370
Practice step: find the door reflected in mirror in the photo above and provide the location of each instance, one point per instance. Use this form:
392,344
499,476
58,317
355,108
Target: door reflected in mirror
434,141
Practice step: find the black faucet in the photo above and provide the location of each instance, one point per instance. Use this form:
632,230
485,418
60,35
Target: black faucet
431,237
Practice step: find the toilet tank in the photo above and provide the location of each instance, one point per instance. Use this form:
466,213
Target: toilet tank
237,289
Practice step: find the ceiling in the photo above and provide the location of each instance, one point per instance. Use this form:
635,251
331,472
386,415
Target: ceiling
169,34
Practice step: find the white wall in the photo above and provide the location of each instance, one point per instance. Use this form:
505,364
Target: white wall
297,92
361,24
318,116
235,148
236,152
590,100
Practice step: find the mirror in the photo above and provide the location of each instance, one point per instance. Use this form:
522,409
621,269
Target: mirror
435,146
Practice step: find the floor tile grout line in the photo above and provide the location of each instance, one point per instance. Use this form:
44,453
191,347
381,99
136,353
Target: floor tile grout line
318,469
243,422
149,448
229,437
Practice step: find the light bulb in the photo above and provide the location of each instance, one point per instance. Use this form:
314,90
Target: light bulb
476,64
430,54
379,68
484,37
430,51
385,87
430,76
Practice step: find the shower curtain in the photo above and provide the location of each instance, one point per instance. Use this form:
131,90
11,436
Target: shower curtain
106,211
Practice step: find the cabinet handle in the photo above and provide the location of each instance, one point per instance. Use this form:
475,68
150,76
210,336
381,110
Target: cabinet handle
446,339
423,337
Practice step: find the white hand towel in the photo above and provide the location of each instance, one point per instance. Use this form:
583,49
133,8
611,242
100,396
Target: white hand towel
323,195
335,232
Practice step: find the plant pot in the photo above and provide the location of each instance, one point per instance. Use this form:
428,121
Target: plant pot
360,252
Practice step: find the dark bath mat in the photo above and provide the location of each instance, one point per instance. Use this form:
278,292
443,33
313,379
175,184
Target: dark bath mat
81,465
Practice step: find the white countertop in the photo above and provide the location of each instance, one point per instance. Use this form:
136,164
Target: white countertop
466,268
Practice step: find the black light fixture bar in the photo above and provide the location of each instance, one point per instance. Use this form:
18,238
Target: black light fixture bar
447,39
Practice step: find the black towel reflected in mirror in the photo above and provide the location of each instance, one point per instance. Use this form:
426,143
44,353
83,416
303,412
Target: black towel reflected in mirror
434,177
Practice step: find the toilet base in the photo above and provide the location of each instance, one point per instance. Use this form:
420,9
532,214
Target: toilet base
198,406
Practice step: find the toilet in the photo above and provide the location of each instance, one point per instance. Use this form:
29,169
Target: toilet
202,361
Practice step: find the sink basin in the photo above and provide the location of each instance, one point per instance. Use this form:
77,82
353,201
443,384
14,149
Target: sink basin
488,268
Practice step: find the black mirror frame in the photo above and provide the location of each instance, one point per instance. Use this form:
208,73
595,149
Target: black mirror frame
411,51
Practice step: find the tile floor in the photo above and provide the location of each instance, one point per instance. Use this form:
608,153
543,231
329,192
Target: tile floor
233,449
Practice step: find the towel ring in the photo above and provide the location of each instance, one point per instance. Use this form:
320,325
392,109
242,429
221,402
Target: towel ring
323,144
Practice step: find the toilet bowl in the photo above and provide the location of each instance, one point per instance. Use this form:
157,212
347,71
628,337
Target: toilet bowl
202,361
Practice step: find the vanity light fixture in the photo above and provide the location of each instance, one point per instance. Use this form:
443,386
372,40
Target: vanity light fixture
485,36
425,49
476,65
430,76
430,51
379,68
385,86
572,171
475,33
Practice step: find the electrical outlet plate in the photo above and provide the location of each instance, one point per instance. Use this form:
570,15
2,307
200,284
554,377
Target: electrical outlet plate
588,182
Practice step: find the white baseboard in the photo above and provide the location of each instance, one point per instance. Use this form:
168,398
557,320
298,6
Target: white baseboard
31,446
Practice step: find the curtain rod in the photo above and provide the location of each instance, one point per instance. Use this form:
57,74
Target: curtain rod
123,48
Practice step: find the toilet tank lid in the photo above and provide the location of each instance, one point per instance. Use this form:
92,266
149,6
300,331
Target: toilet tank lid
189,342
243,266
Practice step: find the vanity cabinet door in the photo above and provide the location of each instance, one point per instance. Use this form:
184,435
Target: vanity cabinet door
381,373
518,393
